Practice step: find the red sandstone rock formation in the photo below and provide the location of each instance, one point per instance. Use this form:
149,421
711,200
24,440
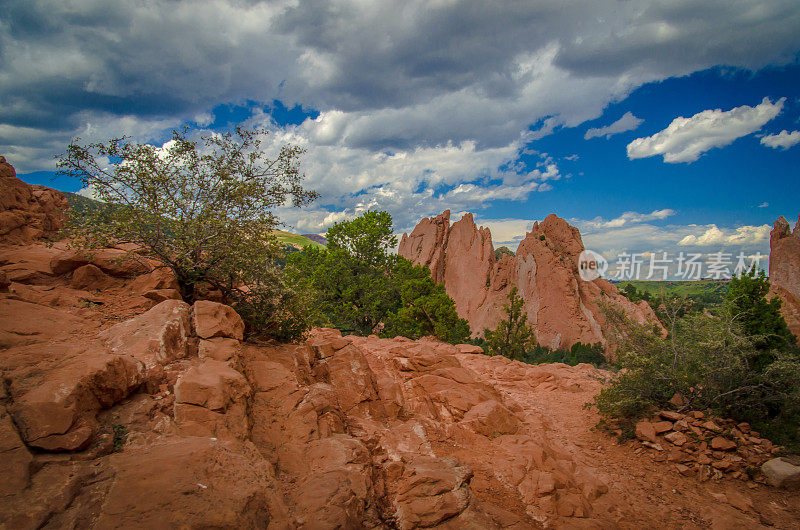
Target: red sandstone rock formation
562,308
27,213
784,270
117,412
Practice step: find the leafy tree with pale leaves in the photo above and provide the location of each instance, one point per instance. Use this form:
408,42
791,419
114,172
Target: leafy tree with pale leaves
204,208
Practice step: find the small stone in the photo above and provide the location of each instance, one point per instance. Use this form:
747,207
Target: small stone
646,432
744,427
696,414
684,470
651,445
722,444
678,456
711,426
681,425
670,415
678,400
676,438
721,464
662,426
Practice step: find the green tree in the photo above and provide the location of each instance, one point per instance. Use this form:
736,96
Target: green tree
203,208
424,307
360,286
352,277
512,337
368,239
759,317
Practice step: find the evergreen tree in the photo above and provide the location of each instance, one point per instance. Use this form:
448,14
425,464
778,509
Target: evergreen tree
512,337
361,287
759,317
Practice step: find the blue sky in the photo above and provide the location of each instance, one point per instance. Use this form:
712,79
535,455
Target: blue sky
652,126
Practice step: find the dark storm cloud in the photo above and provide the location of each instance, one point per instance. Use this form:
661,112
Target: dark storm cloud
403,74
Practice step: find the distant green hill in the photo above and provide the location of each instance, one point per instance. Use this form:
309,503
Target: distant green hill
295,240
707,291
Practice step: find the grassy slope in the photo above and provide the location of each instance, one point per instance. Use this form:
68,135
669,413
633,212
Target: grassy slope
295,240
682,288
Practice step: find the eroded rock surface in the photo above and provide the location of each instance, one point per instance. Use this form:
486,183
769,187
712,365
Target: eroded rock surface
784,270
563,308
117,411
27,213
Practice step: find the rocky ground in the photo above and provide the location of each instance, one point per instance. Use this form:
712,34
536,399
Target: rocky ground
121,406
124,407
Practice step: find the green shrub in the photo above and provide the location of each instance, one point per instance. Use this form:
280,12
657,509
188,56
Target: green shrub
501,251
710,359
512,337
579,353
120,434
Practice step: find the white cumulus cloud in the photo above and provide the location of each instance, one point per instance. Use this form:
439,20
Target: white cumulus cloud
783,139
713,235
629,218
685,139
627,122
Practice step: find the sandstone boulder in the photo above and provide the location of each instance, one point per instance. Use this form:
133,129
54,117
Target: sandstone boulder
491,419
469,348
16,457
213,385
191,483
218,348
90,277
159,295
116,262
28,264
430,491
782,473
23,322
27,213
156,337
212,319
59,414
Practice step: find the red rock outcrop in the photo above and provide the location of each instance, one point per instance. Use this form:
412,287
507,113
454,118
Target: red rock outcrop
119,412
784,270
27,213
562,307
146,422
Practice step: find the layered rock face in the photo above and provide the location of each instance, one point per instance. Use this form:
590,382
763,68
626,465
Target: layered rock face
784,270
27,213
562,307
122,410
